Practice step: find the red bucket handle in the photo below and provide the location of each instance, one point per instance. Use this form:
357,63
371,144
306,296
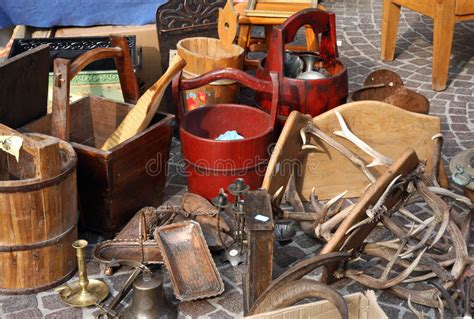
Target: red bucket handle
180,84
322,22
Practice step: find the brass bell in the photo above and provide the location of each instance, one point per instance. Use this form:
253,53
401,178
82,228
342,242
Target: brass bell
149,300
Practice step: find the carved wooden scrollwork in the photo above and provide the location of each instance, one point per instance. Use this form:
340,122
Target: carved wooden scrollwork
183,14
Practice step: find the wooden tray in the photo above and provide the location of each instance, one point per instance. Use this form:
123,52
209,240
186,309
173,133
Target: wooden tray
187,258
147,252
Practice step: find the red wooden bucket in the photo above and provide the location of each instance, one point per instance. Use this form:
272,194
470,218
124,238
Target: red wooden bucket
211,164
306,96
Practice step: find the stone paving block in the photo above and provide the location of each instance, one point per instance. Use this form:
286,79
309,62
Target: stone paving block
234,274
390,311
69,313
195,308
26,314
232,302
220,314
17,303
52,302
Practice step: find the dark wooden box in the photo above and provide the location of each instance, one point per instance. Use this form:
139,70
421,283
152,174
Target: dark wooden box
113,185
24,87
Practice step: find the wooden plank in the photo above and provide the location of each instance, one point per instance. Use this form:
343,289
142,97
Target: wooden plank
286,154
44,153
260,246
443,31
352,242
48,161
403,166
24,87
390,21
61,110
464,7
227,25
425,7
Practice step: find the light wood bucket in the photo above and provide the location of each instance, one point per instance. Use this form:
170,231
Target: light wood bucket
38,213
203,55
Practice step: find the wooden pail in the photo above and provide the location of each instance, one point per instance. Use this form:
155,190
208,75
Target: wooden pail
210,164
203,55
38,213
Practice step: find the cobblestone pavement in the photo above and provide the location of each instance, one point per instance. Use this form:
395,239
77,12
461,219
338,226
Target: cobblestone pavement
358,27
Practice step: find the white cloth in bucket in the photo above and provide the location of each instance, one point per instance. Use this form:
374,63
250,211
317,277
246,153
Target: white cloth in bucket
229,136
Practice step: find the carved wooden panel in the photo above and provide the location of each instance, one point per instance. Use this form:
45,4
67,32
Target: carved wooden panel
180,19
178,14
71,48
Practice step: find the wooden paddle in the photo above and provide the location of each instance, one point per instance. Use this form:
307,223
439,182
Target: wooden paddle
227,25
142,113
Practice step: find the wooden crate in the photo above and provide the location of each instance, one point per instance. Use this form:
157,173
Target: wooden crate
113,185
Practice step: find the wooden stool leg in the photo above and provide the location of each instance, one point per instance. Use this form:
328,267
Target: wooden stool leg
312,44
442,42
244,34
390,19
244,39
268,34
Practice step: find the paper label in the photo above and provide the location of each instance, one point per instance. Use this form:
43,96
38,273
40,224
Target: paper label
261,218
11,145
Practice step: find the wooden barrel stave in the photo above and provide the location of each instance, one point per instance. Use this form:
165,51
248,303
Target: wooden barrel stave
39,223
206,54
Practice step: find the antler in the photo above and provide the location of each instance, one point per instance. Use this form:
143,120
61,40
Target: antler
378,158
311,128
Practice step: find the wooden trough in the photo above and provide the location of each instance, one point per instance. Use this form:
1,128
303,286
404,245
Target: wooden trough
388,129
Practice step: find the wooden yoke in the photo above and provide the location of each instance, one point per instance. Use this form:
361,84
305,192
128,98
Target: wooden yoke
65,71
45,153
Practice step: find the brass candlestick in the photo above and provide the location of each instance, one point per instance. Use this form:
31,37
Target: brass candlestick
84,292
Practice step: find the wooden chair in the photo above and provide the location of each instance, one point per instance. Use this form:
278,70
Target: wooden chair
268,13
445,14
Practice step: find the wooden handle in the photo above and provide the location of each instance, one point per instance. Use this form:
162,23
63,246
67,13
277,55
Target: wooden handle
65,71
227,25
45,152
240,76
321,22
141,115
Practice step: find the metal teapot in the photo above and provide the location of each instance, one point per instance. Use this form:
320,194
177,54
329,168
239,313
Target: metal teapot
310,73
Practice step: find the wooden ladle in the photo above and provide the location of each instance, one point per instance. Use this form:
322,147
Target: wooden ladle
142,113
